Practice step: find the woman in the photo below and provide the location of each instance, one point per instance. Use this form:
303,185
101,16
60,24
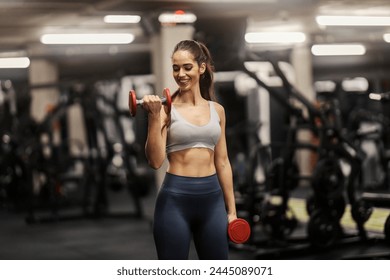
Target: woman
196,198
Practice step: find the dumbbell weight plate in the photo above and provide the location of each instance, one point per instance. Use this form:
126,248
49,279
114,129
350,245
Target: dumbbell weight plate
132,103
168,100
328,179
239,231
323,230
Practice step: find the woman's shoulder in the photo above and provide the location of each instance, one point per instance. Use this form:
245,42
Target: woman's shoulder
218,107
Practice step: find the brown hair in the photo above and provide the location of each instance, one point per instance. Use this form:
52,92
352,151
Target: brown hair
201,55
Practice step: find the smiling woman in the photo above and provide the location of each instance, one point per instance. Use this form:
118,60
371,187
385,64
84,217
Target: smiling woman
196,197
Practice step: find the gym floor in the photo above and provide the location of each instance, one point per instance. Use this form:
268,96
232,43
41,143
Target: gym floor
116,237
129,238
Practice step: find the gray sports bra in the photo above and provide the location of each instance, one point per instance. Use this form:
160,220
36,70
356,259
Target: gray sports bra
182,134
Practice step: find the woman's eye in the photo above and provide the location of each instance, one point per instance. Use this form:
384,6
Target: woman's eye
177,68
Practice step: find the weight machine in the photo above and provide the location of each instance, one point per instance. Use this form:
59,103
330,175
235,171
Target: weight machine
106,163
332,186
13,171
368,127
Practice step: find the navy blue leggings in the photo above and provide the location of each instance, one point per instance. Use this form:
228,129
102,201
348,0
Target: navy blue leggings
189,207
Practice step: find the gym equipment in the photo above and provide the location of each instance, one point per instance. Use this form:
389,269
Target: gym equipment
328,179
334,206
335,150
14,171
133,102
279,173
278,222
361,211
108,161
323,230
239,231
386,229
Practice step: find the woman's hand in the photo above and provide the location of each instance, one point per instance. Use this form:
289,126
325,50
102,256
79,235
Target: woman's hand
231,217
152,104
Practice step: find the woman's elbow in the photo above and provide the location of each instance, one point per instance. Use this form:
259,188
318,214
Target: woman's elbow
155,164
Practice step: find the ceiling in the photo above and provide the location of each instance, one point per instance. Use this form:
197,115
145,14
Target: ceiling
220,22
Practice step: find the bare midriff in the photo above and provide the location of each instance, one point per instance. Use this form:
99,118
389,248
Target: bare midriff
193,162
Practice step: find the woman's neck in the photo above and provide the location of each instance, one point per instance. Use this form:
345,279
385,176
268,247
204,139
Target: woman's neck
189,97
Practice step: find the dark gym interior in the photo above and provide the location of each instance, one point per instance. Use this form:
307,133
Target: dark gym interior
307,129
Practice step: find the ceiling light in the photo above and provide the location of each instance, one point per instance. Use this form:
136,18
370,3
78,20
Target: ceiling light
99,38
358,84
386,37
335,49
353,20
14,62
122,19
178,16
274,37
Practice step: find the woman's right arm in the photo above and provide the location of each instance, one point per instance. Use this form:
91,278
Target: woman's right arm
156,137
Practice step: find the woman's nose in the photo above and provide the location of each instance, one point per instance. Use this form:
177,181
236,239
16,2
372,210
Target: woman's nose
181,73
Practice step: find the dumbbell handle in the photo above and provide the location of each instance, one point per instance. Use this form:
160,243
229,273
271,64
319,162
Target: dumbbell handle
140,101
133,102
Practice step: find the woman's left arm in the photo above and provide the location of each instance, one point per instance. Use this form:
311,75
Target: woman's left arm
223,167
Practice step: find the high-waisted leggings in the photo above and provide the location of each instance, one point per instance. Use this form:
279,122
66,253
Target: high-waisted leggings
190,207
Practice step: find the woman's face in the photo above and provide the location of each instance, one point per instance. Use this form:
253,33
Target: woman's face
186,70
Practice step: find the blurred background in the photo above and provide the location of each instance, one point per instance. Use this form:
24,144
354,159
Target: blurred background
306,89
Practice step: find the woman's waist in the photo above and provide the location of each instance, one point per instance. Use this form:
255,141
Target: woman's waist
191,185
191,169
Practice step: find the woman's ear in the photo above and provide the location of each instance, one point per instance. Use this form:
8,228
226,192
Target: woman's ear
202,68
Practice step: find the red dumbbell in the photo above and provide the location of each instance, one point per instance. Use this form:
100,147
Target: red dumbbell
239,231
133,102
